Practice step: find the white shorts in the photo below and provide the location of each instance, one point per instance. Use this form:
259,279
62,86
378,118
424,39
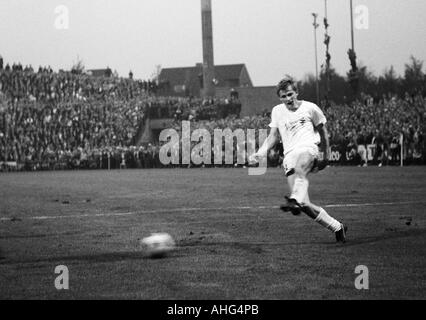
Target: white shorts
290,159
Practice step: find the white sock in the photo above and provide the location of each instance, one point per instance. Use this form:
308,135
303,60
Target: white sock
300,189
327,221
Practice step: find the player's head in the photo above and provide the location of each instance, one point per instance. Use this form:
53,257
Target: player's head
287,91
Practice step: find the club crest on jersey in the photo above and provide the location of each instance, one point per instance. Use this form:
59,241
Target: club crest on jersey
295,124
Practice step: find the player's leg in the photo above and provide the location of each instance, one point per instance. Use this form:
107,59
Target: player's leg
289,164
321,216
309,208
297,165
299,184
304,163
291,204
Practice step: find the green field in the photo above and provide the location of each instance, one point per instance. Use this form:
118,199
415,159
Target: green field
233,242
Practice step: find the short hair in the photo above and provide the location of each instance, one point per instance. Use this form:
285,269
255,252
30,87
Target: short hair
285,83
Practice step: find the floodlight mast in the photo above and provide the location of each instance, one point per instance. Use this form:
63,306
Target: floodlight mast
327,58
316,25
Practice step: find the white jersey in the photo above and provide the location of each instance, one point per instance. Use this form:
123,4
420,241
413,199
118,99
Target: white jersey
297,128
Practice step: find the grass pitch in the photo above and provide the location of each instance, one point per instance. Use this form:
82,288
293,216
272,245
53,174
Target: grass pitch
233,241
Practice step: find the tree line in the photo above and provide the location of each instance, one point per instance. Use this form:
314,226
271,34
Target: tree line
355,85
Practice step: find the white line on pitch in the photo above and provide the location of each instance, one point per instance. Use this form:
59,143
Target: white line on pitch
118,214
372,204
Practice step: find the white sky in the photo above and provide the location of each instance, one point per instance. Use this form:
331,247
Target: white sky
272,37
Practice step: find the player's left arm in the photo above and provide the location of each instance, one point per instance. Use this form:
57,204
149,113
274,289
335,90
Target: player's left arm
325,142
325,146
319,121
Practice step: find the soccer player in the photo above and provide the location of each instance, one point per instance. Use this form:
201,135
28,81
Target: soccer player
302,127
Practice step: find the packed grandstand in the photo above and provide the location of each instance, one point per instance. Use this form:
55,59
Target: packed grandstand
66,120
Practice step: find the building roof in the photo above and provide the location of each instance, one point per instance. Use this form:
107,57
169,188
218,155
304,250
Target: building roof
230,71
186,75
180,75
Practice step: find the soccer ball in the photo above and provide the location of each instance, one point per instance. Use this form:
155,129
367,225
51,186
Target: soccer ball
157,245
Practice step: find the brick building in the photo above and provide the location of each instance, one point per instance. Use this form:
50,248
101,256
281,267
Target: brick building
188,81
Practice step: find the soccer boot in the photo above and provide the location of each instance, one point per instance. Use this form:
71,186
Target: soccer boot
341,234
292,205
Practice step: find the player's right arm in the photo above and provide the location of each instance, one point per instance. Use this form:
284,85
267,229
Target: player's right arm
269,143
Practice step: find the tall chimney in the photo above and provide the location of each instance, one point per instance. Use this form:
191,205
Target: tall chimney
208,61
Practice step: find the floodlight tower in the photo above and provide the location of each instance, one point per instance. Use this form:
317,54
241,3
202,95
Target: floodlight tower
327,57
208,60
316,25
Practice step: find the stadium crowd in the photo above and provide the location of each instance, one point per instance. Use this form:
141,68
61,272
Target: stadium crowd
45,85
64,120
382,124
192,108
